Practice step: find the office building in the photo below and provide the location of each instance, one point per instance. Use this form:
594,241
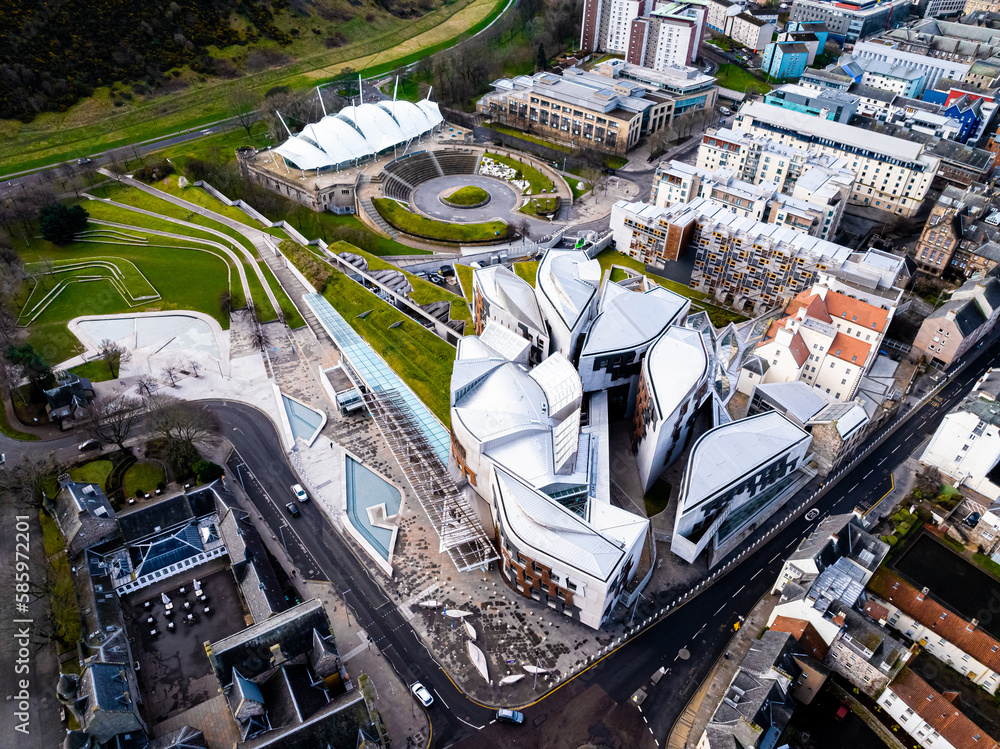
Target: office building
829,104
893,174
504,298
737,476
847,23
685,88
668,399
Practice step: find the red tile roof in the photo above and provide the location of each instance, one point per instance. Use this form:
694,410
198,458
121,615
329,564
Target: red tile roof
876,611
849,349
956,630
804,632
941,714
857,312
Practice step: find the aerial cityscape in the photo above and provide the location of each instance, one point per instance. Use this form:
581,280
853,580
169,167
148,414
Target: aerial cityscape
571,374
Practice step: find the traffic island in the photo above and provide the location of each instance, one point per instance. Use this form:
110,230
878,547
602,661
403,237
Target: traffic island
469,196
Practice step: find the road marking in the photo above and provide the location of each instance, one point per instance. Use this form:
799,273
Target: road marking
775,557
794,540
895,448
720,609
868,474
738,591
853,488
446,704
882,461
470,725
755,574
699,631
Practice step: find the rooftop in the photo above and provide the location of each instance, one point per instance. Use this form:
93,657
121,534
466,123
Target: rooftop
942,715
569,279
630,319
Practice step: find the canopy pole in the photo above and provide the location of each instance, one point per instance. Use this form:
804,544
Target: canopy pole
361,90
321,104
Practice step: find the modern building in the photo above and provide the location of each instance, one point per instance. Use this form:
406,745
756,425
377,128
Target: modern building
965,448
566,288
685,88
784,60
960,323
828,104
504,298
958,642
933,719
893,174
889,76
627,324
670,35
668,399
750,31
847,23
818,214
975,104
738,474
938,8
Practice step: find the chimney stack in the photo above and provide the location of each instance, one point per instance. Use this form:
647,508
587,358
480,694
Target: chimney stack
923,594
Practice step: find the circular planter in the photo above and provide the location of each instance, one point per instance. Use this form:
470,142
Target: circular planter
444,198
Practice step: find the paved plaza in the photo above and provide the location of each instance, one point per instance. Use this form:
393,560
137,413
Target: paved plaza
503,199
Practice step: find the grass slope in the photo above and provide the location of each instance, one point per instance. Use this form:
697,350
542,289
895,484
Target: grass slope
465,279
736,78
538,182
428,228
468,195
527,270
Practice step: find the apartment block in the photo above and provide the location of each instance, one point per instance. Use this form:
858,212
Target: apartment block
751,31
837,106
783,60
653,34
849,22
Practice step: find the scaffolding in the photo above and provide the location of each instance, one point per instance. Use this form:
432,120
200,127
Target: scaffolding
449,510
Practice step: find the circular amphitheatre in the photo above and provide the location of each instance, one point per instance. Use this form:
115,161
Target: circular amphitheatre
429,198
468,196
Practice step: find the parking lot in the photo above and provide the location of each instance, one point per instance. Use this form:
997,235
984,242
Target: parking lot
174,671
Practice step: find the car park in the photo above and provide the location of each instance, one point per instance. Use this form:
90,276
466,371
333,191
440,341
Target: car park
299,492
419,691
293,510
509,716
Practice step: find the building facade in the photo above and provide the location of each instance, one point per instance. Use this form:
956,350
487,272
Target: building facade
503,297
960,323
784,60
750,31
849,23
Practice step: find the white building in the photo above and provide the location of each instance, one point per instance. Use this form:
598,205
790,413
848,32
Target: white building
931,68
888,76
893,174
566,289
501,296
628,322
751,31
937,8
737,476
672,386
669,36
933,720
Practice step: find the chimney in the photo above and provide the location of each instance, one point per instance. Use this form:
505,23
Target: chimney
971,626
277,657
923,594
950,314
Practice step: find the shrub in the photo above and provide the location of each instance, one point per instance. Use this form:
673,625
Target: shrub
155,171
206,472
60,224
316,272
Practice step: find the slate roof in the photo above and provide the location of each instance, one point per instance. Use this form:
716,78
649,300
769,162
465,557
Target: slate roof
968,316
336,726
184,737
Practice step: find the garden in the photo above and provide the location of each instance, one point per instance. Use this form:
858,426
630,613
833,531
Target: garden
467,197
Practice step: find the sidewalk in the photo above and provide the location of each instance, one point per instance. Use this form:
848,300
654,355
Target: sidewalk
699,711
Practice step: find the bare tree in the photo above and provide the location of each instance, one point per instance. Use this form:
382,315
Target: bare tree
194,367
244,107
114,355
114,420
259,339
226,303
170,372
524,229
23,482
145,385
183,425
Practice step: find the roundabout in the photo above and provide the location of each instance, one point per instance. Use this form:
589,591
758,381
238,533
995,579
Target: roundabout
430,198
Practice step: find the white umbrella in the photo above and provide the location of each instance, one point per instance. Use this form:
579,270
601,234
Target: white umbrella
163,597
431,604
196,584
511,679
471,630
478,659
536,670
457,613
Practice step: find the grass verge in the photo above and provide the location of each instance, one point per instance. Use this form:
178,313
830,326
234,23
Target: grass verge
7,430
52,538
144,477
288,308
94,472
95,371
465,280
428,228
736,78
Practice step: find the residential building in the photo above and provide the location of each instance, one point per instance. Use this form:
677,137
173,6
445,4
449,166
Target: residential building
981,6
685,88
983,73
975,104
750,31
67,402
107,702
627,324
837,428
933,719
818,214
737,475
670,35
961,221
719,15
566,288
606,24
84,514
759,703
816,28
849,23
894,77
937,8
965,448
960,323
668,399
828,104
784,60
825,339
893,174
952,639
504,298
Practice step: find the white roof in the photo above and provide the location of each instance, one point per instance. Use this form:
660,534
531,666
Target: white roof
304,154
723,454
431,111
411,119
511,292
797,398
559,381
338,139
569,279
675,364
630,319
504,341
542,523
375,124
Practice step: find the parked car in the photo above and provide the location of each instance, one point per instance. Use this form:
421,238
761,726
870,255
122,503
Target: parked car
293,510
300,493
842,712
446,270
435,278
509,716
726,111
973,520
83,162
87,445
420,692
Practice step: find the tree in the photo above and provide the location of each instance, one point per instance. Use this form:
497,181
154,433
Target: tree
928,482
541,61
170,372
24,482
752,90
259,339
194,367
244,107
145,385
226,303
524,229
113,420
32,365
60,224
114,355
184,427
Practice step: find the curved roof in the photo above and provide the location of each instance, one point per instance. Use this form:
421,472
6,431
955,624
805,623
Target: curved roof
338,139
304,154
569,279
511,292
411,119
375,124
630,319
431,111
672,383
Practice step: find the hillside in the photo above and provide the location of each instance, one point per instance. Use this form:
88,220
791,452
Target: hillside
54,53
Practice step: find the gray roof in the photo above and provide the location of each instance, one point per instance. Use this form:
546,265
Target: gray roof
988,250
772,650
109,686
166,513
184,737
968,316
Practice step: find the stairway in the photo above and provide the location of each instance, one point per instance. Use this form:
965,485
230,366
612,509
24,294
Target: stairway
380,222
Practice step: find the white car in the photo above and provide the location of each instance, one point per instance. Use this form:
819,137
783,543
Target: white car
299,492
812,514
726,111
423,696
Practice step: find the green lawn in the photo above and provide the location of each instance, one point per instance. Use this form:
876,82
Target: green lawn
524,136
142,476
288,308
7,430
617,274
427,228
419,357
539,207
468,195
578,186
201,197
736,78
465,280
527,270
94,472
186,279
52,538
95,371
538,182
